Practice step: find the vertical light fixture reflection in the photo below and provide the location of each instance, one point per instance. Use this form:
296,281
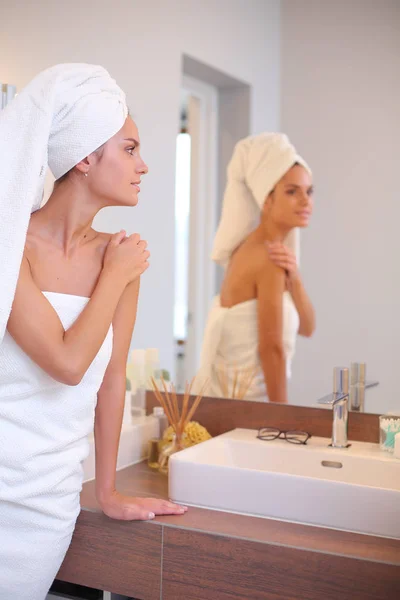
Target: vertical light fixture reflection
182,223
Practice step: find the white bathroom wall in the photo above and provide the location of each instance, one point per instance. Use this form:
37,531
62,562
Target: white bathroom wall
142,43
340,105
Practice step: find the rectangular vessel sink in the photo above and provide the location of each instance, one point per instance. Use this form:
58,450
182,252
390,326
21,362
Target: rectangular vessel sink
355,489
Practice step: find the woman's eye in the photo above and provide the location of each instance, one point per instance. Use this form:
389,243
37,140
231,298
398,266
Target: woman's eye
291,192
131,150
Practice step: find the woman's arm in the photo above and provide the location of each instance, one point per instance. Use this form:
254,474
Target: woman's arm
37,329
111,395
270,288
303,305
108,420
283,257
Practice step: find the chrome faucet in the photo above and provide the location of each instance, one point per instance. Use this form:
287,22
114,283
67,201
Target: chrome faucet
339,400
346,397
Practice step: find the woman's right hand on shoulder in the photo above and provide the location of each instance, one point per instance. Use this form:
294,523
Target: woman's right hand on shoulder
127,257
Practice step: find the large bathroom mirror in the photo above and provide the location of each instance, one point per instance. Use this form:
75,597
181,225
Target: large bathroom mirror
327,75
339,104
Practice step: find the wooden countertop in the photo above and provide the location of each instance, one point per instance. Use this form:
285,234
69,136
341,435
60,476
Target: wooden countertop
213,555
140,480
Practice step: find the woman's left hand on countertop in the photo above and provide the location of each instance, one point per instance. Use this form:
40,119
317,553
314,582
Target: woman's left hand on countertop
128,508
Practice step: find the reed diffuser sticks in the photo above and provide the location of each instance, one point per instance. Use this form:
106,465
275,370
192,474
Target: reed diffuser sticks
242,378
178,419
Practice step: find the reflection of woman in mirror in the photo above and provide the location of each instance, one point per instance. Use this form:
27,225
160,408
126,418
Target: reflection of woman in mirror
251,331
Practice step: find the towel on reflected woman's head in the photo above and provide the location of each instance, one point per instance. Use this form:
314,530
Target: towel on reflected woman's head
257,164
64,114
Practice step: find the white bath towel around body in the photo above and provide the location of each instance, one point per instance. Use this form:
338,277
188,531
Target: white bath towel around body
62,116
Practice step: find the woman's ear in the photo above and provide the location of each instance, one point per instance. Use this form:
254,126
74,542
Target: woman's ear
83,165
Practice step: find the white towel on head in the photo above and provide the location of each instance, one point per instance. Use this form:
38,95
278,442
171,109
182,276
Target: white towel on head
257,164
64,114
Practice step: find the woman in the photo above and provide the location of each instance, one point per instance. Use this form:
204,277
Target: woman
69,296
250,335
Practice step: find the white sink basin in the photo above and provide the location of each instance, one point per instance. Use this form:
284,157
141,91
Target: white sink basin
358,489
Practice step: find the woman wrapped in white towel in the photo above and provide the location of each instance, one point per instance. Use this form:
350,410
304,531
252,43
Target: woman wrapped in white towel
251,331
68,298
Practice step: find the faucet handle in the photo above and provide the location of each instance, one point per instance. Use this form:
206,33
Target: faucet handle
332,399
371,384
340,387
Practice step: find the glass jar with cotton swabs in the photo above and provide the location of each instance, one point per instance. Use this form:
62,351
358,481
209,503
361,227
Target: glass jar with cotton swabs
389,427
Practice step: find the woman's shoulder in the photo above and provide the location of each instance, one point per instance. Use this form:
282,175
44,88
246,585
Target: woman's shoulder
254,252
102,236
101,240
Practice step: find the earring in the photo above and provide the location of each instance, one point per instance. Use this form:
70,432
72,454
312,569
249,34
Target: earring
85,174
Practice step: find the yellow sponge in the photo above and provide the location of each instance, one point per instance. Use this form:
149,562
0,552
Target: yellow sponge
194,434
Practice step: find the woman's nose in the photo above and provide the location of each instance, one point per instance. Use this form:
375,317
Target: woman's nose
305,199
143,168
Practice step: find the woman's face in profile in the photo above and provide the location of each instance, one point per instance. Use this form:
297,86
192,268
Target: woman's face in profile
291,202
116,175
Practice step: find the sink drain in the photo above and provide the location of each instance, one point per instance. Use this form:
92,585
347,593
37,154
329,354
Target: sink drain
333,464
